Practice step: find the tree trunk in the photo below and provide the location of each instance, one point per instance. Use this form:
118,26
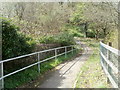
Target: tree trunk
104,30
86,28
97,34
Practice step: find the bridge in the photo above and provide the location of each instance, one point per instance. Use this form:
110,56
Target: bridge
64,77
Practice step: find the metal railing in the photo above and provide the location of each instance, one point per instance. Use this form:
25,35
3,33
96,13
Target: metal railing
36,63
109,60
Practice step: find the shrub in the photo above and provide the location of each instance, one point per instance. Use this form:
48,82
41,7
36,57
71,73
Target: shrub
63,38
47,39
91,33
14,43
75,33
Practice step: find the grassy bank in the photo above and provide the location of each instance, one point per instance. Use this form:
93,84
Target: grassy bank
32,73
91,74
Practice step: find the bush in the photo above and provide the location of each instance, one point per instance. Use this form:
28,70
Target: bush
76,33
90,33
47,39
14,43
63,38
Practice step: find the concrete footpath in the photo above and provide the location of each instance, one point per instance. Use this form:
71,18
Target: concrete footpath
65,74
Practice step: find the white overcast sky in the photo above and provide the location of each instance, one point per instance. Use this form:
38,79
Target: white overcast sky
59,0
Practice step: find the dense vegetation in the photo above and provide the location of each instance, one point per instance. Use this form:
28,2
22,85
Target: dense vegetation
98,19
14,43
27,25
95,20
63,38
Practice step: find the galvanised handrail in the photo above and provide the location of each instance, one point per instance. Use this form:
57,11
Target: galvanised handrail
32,54
108,66
113,50
37,63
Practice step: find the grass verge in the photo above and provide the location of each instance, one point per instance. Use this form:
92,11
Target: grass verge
91,74
32,73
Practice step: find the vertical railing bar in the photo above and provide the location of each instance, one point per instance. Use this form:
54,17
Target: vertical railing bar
100,54
65,52
2,74
38,63
55,53
108,81
72,49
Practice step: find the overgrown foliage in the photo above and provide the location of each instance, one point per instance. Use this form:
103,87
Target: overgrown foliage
38,19
63,38
13,42
100,17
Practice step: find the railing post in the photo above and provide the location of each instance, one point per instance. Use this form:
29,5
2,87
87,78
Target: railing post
38,62
65,51
55,54
108,58
101,61
100,51
1,75
108,81
72,49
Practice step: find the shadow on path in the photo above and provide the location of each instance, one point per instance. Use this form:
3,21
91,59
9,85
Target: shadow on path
65,74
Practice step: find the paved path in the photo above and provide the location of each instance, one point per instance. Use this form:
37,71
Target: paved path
65,74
